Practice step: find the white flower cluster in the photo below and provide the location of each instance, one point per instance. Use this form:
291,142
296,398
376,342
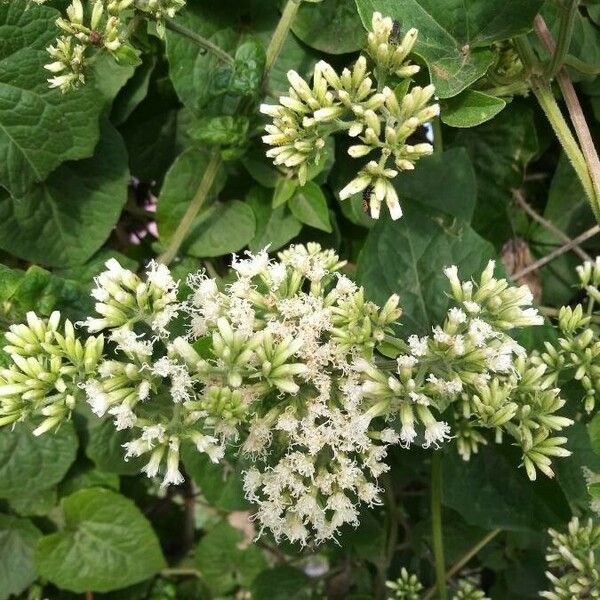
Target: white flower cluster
102,26
282,365
380,117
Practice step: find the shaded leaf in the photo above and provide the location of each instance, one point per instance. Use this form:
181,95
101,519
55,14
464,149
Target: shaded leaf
309,206
18,538
64,220
470,108
114,544
35,462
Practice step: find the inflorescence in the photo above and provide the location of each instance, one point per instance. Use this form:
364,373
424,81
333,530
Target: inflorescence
100,25
282,365
379,117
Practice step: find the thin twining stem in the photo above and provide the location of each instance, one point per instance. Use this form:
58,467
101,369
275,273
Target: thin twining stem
563,237
199,40
464,559
586,235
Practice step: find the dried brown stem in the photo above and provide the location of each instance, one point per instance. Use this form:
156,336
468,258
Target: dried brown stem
586,235
520,200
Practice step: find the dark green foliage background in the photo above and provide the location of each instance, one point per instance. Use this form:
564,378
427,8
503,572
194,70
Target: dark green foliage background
75,171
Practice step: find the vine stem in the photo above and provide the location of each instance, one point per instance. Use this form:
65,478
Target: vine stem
464,559
192,210
181,571
580,125
547,101
567,20
436,523
199,40
280,34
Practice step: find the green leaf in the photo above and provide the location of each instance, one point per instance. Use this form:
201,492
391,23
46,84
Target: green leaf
181,182
408,256
500,151
221,229
248,69
284,190
490,491
83,475
18,538
444,181
105,448
594,433
221,487
226,560
274,227
59,126
33,505
221,131
196,74
281,583
470,108
454,35
569,470
41,291
134,91
309,206
64,220
332,26
106,544
34,463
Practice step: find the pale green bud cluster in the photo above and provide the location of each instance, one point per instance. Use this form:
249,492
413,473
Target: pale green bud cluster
379,117
406,587
573,570
578,350
472,365
99,25
468,590
47,370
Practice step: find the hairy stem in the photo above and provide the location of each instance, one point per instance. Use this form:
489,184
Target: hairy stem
590,155
191,35
436,524
280,34
567,20
193,209
547,101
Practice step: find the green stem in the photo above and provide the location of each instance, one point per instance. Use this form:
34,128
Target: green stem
464,559
581,66
182,572
191,35
436,523
192,211
567,20
438,142
280,34
547,102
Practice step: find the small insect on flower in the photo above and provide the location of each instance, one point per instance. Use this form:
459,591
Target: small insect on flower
396,31
366,199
